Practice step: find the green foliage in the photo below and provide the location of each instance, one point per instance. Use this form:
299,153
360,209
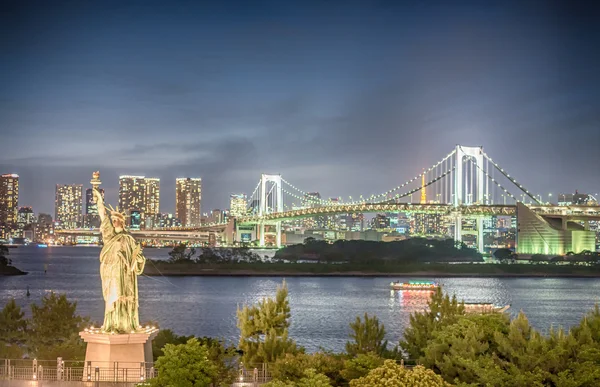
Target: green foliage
393,374
310,378
54,326
455,347
360,365
368,336
313,379
291,367
180,253
185,365
222,357
442,311
264,329
13,331
413,250
164,337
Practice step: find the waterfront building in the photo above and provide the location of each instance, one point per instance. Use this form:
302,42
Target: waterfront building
188,199
135,220
312,200
44,230
237,205
577,199
381,222
427,224
167,220
25,218
91,218
9,203
68,205
140,193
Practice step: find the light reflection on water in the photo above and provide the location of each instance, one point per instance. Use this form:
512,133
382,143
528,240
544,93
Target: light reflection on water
322,307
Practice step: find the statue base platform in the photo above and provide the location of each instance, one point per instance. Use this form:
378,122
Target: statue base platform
118,357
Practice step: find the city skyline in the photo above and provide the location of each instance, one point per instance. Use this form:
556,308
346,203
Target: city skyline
341,99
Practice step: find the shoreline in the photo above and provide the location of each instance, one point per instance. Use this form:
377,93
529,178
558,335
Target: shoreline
278,273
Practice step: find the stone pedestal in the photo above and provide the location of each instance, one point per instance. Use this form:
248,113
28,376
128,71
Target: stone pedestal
118,357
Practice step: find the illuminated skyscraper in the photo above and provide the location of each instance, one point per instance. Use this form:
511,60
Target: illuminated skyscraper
237,205
68,205
139,193
25,218
188,197
9,202
152,198
132,193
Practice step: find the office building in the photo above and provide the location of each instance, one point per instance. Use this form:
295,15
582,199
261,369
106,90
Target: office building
140,193
9,202
576,199
188,198
44,231
68,205
25,218
381,222
135,220
91,217
237,205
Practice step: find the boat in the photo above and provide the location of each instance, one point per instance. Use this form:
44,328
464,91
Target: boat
485,307
415,285
42,245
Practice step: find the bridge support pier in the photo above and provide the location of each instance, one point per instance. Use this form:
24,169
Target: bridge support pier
278,237
457,227
261,235
480,234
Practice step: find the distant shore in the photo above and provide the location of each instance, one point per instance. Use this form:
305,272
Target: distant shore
11,270
329,270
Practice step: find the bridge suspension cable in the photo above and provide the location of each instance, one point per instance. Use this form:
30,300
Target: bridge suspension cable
512,180
497,183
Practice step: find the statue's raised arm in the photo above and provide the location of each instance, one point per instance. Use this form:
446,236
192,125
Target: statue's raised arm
99,200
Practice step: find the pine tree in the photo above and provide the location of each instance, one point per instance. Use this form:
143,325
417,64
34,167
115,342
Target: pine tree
13,331
55,327
264,329
368,337
443,311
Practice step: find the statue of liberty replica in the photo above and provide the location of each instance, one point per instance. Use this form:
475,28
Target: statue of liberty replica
121,261
121,342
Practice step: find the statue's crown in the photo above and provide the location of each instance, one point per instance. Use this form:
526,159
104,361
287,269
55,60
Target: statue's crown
115,213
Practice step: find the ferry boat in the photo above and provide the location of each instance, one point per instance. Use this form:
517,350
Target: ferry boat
415,285
485,307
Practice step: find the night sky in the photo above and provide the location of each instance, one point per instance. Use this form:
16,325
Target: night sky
345,98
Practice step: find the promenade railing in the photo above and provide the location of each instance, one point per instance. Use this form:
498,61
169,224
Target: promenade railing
60,370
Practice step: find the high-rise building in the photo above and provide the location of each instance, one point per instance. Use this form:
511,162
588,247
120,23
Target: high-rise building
576,199
25,218
9,202
381,221
44,232
68,205
91,218
135,220
132,193
140,193
152,197
237,205
188,198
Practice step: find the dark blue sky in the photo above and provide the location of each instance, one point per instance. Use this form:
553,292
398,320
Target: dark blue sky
345,98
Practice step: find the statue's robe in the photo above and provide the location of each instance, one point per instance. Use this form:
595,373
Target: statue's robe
121,261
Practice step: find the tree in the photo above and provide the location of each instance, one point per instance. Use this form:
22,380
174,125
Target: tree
393,374
291,367
537,258
313,379
164,337
360,365
264,329
503,254
55,327
454,349
367,336
185,365
442,311
180,253
13,331
4,260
